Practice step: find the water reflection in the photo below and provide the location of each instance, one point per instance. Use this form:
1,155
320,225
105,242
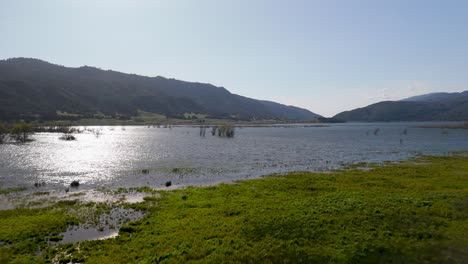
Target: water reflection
142,156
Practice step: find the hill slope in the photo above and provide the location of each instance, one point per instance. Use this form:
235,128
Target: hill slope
429,107
31,88
439,97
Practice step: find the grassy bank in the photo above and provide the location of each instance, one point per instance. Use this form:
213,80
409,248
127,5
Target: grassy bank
411,212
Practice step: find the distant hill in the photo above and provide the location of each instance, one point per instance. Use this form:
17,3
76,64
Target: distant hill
428,107
439,97
35,89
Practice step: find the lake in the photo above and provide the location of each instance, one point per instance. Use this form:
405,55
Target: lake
142,156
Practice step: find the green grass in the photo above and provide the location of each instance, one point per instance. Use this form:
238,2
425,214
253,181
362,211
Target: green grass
25,233
149,115
12,190
199,116
410,212
60,113
404,213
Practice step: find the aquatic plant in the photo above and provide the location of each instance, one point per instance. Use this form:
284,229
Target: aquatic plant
67,137
65,127
226,130
39,184
376,131
203,131
96,132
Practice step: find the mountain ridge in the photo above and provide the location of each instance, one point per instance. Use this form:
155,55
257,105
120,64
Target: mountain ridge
36,88
426,107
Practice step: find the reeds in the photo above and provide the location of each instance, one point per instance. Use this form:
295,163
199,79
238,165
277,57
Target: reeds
226,130
376,131
203,131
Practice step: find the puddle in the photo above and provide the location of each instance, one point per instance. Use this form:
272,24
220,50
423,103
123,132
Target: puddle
90,196
82,234
136,197
105,226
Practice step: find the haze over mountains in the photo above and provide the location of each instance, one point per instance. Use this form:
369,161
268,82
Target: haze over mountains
34,89
428,107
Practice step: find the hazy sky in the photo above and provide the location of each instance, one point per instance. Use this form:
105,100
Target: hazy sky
327,56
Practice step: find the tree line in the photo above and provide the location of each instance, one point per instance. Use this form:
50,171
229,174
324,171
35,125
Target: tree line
19,132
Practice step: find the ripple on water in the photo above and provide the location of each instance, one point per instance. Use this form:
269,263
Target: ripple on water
118,157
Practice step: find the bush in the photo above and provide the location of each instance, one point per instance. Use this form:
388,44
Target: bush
21,132
226,130
75,184
67,137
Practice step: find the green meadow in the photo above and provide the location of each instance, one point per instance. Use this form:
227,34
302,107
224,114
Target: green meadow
413,211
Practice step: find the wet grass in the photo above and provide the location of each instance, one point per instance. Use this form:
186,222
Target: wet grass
408,212
25,233
12,190
403,213
30,235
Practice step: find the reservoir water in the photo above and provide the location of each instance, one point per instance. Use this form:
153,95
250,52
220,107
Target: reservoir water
142,156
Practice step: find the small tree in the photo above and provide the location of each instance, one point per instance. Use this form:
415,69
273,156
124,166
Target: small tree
67,129
3,133
21,132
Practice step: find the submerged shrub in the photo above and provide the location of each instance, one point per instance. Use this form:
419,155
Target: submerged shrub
75,184
225,130
376,131
67,137
21,132
202,131
65,127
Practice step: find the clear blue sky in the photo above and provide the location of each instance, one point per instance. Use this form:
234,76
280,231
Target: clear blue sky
327,56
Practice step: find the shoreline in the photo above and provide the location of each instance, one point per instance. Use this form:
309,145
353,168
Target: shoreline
275,209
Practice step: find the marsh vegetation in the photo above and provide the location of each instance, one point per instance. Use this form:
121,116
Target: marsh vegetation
226,130
409,212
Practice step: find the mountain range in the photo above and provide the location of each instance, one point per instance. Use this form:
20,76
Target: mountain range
427,107
32,89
